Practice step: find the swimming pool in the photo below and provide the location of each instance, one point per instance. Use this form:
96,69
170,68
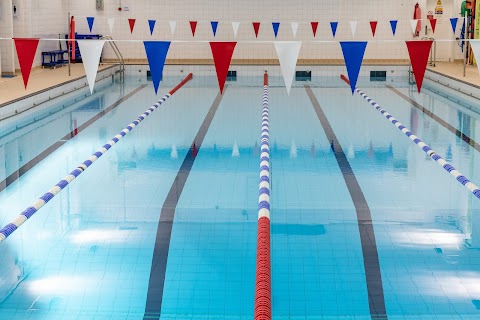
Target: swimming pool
346,186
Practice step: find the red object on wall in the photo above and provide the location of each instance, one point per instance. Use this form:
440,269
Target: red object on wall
419,52
193,27
256,28
314,28
417,14
222,56
131,22
373,26
26,49
72,36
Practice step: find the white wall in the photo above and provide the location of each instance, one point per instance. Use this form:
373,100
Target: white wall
46,19
6,31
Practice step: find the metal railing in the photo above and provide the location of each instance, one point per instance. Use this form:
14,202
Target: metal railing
433,52
119,55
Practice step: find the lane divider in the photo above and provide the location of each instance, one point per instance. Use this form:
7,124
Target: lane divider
431,153
6,231
263,287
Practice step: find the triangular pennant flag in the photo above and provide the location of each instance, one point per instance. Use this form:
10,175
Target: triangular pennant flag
353,52
433,24
294,28
235,26
453,22
314,28
256,28
353,27
222,56
173,24
393,25
475,45
287,52
26,49
214,27
413,24
373,26
156,54
90,22
275,26
131,22
91,50
334,26
151,24
111,23
193,26
419,52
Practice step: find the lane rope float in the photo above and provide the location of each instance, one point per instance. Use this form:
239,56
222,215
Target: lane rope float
263,287
422,145
7,230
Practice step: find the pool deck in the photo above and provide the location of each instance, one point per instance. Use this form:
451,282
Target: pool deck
41,79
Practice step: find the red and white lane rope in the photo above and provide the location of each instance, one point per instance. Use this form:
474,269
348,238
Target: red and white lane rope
6,231
263,287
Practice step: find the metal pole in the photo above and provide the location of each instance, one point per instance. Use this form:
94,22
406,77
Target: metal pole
68,46
466,45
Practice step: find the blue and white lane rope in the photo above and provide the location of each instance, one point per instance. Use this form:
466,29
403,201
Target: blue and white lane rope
264,189
6,231
431,153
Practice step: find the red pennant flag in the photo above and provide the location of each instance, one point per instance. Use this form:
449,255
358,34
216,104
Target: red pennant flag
433,23
256,27
314,28
131,22
222,56
373,26
26,49
419,52
193,26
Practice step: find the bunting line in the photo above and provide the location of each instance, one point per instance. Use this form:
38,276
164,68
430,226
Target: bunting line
6,231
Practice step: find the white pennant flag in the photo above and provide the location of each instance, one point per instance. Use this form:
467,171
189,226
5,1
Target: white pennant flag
353,27
287,52
173,24
475,45
91,51
111,23
235,26
294,28
413,23
235,151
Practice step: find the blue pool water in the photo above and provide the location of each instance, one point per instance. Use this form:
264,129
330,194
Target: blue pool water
88,253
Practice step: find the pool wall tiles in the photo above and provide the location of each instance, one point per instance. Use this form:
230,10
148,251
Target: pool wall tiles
81,83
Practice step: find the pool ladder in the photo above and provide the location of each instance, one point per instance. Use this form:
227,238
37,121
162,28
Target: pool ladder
119,55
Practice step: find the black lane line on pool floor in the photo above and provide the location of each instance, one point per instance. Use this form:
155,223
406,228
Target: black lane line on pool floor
29,165
153,307
376,299
442,122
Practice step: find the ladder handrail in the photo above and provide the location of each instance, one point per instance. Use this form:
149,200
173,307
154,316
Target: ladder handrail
117,53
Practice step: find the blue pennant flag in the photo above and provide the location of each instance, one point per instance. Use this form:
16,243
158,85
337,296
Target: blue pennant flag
156,55
275,26
334,26
393,24
453,22
90,22
214,27
353,52
151,24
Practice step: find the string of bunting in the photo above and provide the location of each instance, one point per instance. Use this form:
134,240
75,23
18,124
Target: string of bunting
414,23
222,52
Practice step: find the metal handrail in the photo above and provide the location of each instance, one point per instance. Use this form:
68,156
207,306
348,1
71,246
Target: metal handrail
118,54
433,52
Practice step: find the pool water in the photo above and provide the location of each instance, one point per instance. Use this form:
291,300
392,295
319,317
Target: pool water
88,253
